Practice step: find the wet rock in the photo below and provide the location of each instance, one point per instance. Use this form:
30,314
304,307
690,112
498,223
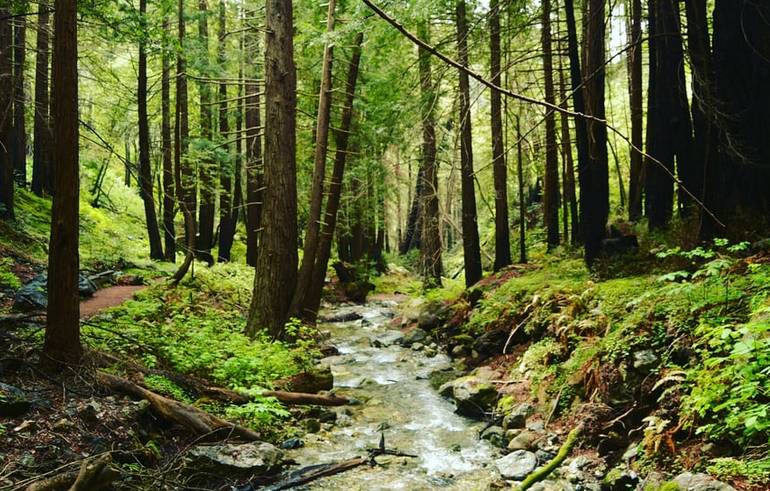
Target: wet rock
700,482
517,416
495,435
524,441
340,316
410,311
415,336
292,443
544,456
14,401
417,346
311,425
388,339
473,395
437,378
237,460
620,479
459,351
430,352
34,295
516,465
433,315
645,359
491,342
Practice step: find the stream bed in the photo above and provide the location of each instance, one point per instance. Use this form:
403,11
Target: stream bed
396,398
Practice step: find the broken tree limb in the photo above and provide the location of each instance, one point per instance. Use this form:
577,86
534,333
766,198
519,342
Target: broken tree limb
544,471
94,474
183,414
308,474
300,398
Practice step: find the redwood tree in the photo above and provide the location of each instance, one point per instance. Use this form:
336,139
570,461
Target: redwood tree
276,270
41,150
62,334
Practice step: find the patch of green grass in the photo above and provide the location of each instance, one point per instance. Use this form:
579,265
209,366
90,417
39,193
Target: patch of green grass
755,471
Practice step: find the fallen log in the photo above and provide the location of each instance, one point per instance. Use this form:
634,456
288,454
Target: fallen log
300,398
94,474
190,417
313,472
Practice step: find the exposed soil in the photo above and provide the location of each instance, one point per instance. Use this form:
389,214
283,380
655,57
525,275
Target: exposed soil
106,298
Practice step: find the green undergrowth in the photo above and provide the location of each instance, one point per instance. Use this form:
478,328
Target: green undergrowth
695,333
197,328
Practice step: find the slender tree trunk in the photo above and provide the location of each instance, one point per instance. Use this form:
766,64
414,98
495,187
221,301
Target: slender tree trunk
226,222
254,167
499,169
169,211
207,167
522,200
432,267
6,115
578,99
413,239
471,247
276,270
62,334
313,298
594,177
310,248
41,151
145,173
237,185
570,198
19,100
551,198
635,96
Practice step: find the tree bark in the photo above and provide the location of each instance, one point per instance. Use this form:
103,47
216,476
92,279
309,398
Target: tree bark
471,247
499,169
551,197
522,201
239,112
578,99
19,100
62,334
276,270
254,164
41,151
6,115
310,245
226,220
568,182
145,173
636,178
169,210
430,246
313,302
206,168
594,177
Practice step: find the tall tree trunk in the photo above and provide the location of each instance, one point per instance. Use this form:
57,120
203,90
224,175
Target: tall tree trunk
430,248
551,198
471,247
19,100
310,246
6,115
522,200
499,169
594,177
226,222
570,198
184,171
412,238
313,299
668,120
239,112
635,97
578,99
276,270
145,173
254,167
41,151
169,211
62,334
207,168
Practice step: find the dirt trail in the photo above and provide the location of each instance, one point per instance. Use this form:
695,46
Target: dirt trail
106,298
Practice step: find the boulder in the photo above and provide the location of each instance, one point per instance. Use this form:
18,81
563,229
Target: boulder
524,441
34,295
473,395
411,310
415,336
517,416
620,479
495,435
340,316
235,460
433,315
491,342
390,338
516,465
292,443
688,481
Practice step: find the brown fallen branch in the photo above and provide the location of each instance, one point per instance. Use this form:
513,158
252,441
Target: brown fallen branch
183,414
300,398
94,474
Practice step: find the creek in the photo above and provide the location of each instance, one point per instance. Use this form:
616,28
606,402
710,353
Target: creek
396,398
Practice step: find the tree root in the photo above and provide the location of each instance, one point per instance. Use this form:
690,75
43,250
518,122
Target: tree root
544,471
94,474
183,414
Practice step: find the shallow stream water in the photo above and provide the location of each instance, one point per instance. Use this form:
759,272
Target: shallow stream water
391,383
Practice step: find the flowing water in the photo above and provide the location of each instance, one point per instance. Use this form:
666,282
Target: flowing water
391,383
